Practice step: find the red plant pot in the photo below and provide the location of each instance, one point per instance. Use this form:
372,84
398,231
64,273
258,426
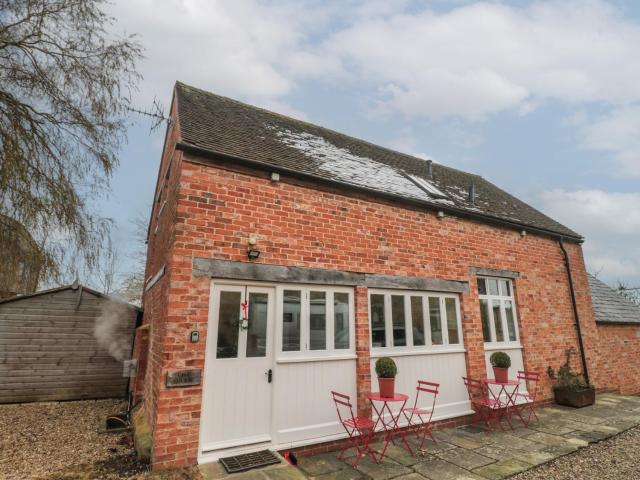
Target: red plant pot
501,374
387,387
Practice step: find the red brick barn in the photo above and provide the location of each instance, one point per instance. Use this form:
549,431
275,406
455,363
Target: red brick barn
342,251
618,326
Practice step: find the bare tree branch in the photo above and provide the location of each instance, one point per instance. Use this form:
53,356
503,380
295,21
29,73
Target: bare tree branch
65,87
630,293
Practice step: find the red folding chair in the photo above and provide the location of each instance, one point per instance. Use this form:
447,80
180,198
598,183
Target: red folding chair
487,409
359,429
525,402
420,418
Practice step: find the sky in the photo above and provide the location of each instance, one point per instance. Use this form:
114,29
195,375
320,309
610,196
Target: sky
541,98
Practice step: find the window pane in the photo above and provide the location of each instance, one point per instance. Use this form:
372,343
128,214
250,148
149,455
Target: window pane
482,286
397,319
497,320
434,320
417,321
378,337
341,320
317,321
505,291
484,315
229,317
452,320
511,321
291,321
257,330
493,286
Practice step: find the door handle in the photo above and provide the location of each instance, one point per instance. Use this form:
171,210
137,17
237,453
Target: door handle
269,375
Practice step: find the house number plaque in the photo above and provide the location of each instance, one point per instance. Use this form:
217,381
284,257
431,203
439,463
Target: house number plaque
184,378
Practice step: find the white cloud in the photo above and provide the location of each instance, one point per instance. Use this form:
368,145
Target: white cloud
610,223
487,57
469,61
238,48
405,142
618,133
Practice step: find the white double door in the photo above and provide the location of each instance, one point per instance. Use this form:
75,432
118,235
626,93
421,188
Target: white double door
238,383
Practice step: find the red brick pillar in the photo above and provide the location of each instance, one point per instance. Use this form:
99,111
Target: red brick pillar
177,425
140,353
363,363
472,331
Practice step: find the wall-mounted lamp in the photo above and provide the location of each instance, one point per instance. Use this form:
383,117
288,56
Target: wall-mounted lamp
523,233
275,177
440,214
252,251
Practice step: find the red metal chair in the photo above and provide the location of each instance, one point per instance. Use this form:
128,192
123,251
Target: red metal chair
487,409
525,402
420,418
359,429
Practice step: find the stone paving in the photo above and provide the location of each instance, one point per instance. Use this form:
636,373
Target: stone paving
468,453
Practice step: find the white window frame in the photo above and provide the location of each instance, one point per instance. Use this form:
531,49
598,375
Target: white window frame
305,353
410,347
500,298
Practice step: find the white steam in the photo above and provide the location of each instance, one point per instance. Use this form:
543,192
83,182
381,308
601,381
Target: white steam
111,330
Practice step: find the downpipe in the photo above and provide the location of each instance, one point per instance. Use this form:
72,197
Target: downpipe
567,265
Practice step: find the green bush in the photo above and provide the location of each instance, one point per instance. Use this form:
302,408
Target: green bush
386,368
500,360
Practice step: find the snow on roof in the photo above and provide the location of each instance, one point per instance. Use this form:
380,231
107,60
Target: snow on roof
346,166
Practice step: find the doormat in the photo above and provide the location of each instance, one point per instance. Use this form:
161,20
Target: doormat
240,463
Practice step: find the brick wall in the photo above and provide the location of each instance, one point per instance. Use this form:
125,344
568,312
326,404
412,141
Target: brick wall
140,353
218,207
363,362
618,358
162,226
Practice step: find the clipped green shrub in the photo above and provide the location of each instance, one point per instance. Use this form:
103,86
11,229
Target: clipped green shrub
500,360
386,368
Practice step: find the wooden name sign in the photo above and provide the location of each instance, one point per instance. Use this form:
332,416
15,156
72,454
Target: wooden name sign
184,378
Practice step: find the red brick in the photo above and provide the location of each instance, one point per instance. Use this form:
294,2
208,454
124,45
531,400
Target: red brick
211,211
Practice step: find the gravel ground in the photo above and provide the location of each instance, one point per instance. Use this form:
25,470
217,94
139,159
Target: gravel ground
62,441
615,458
40,439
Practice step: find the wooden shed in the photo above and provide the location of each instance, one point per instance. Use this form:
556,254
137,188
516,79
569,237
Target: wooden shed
68,343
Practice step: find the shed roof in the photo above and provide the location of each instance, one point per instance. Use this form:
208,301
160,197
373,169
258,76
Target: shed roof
220,125
74,286
610,306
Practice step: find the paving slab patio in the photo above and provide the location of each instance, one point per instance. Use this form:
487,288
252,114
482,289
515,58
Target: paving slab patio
468,453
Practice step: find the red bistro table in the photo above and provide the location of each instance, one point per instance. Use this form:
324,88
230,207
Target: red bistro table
508,405
389,426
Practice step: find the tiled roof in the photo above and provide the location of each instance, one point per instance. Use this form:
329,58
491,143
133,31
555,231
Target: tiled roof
610,306
224,126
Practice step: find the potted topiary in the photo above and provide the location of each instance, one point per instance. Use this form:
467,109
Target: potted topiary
570,388
386,370
501,363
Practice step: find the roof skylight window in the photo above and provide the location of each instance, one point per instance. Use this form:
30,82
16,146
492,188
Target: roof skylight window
427,186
